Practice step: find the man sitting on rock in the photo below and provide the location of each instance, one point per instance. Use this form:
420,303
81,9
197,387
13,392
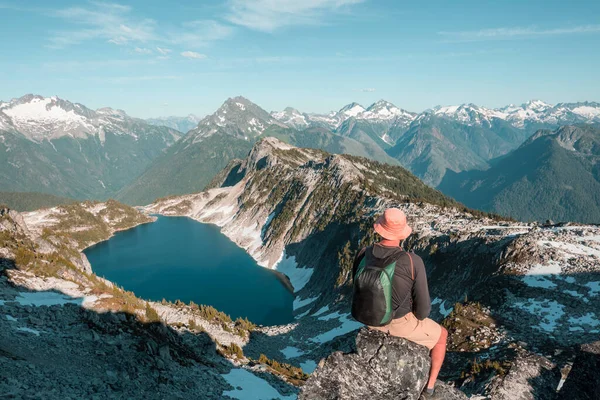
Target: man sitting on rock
410,294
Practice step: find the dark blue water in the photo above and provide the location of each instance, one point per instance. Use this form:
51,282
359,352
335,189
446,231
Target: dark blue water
179,258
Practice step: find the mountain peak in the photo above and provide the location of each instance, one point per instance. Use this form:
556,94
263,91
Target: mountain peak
291,117
237,116
381,103
42,118
352,109
238,100
537,105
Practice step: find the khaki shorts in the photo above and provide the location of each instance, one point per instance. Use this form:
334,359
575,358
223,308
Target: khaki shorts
426,332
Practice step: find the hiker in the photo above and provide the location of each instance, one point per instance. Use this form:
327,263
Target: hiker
386,266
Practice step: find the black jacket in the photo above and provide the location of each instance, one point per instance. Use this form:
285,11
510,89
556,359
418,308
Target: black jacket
418,301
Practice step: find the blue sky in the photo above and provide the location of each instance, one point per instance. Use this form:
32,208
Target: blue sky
154,58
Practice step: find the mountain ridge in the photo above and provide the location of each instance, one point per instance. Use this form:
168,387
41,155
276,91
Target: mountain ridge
229,133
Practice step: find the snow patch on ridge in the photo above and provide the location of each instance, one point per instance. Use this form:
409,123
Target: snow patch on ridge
548,311
347,325
248,386
29,330
298,277
308,366
291,352
299,303
535,277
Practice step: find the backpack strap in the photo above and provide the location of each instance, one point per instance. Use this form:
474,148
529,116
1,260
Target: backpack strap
412,266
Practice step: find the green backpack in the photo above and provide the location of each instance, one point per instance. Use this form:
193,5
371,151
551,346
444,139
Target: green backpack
372,291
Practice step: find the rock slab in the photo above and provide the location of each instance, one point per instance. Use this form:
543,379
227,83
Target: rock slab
383,367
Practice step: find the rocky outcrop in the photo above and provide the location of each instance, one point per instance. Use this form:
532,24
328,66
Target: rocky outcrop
531,376
583,382
382,367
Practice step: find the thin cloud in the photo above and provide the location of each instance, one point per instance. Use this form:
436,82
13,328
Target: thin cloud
193,55
108,21
119,25
163,51
515,33
142,50
270,15
365,90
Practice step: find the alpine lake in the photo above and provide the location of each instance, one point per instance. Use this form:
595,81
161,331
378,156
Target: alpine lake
177,258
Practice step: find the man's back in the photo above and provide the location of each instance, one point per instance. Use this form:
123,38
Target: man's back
410,292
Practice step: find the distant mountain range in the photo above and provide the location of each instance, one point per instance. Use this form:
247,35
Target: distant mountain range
182,124
51,145
554,175
426,143
54,146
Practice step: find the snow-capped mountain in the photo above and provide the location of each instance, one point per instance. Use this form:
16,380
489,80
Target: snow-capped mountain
469,114
46,118
55,146
291,117
351,110
530,115
376,112
182,124
384,110
228,134
467,136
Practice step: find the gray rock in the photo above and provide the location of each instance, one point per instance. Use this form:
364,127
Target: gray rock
583,382
383,367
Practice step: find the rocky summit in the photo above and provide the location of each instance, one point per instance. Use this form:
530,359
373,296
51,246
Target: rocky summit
382,367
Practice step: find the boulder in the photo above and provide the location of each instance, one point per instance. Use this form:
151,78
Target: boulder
583,382
382,367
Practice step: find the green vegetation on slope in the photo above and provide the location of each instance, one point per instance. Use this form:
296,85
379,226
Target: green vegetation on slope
550,177
29,201
183,170
365,132
76,222
435,145
88,168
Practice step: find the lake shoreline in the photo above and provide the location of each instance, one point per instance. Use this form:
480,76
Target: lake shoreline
187,260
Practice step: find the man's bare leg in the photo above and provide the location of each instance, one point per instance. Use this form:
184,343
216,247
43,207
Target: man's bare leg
437,358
